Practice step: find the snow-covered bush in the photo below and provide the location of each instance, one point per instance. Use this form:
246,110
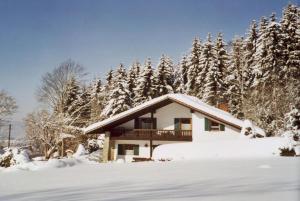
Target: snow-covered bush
292,133
93,145
80,151
14,156
249,130
101,140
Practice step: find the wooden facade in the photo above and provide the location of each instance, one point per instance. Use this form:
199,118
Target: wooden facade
151,134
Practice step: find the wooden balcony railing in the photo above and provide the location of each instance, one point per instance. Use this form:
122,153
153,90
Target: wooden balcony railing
154,134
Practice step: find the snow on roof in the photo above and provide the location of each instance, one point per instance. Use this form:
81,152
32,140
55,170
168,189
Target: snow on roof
190,101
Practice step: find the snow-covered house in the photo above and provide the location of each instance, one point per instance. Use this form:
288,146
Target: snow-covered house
171,118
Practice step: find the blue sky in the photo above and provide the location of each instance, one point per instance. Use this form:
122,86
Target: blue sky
35,36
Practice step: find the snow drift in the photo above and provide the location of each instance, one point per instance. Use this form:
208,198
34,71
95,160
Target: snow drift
219,147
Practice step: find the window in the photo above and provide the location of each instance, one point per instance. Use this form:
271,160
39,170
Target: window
211,125
128,149
183,124
145,123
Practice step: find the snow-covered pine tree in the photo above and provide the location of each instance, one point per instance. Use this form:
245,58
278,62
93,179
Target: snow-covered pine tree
222,58
119,98
249,46
71,95
214,86
145,89
131,81
193,67
120,74
177,79
182,75
207,60
164,77
97,99
290,26
260,54
274,56
83,107
108,85
234,79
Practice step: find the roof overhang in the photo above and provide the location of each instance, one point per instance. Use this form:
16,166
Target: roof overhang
148,107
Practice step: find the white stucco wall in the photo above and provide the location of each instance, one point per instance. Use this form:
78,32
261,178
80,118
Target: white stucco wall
198,126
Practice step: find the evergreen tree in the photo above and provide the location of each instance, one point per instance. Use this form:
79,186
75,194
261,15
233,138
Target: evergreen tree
222,68
235,80
164,77
216,61
274,62
193,67
183,75
290,26
131,81
261,52
250,44
145,89
207,60
71,95
97,99
119,98
83,107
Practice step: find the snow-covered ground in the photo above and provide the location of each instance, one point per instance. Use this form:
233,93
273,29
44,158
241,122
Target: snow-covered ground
226,168
252,179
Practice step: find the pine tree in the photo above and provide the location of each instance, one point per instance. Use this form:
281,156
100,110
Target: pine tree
207,60
216,61
164,77
71,95
290,26
274,57
261,52
235,80
145,89
97,99
83,108
119,98
249,46
193,67
183,75
131,81
222,68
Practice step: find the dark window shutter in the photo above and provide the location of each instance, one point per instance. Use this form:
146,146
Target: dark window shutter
154,123
222,127
136,150
120,149
136,123
176,124
207,124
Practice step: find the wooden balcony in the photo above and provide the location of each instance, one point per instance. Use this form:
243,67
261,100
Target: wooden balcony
151,134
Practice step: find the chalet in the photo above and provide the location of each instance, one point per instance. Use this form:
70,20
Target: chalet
172,118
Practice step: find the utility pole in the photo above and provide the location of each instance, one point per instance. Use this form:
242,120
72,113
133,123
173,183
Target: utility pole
9,131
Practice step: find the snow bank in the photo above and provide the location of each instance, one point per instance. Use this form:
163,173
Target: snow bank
222,148
50,164
250,130
80,151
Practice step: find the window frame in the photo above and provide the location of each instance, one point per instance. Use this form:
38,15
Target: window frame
123,147
180,122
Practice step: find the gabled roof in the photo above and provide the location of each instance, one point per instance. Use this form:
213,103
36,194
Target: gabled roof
188,101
